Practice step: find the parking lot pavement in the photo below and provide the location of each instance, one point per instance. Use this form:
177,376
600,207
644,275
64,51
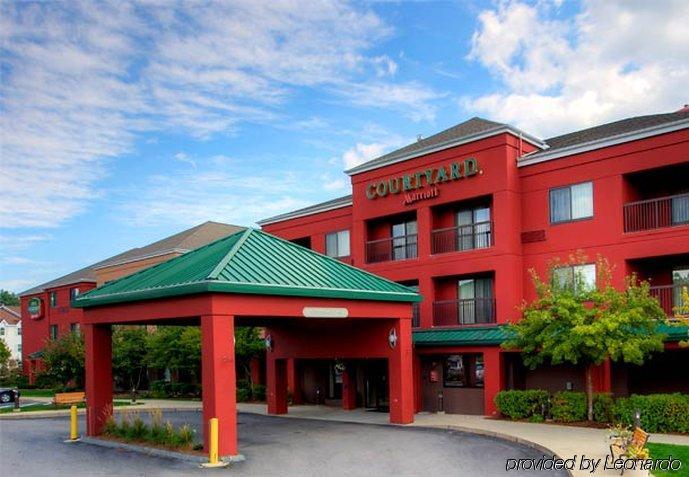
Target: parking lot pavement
273,446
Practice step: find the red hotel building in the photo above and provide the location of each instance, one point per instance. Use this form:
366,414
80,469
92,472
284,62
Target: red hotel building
464,215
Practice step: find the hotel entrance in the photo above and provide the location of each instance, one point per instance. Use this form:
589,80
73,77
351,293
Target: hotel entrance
376,385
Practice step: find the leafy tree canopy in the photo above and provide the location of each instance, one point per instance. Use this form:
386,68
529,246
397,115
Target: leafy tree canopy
64,359
570,323
8,298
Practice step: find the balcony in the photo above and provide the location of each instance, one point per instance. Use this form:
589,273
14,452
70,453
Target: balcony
416,315
462,237
402,247
472,311
669,297
656,213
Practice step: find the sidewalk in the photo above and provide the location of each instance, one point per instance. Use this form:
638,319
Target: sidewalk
563,441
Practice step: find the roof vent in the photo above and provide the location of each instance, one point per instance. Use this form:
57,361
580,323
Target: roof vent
419,137
684,109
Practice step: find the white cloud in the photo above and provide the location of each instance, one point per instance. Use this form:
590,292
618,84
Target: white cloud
14,243
612,60
362,153
82,81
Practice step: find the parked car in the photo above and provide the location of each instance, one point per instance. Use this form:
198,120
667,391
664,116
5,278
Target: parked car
6,395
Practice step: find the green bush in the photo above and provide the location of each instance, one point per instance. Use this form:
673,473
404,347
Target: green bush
658,412
243,394
517,404
258,392
568,406
602,407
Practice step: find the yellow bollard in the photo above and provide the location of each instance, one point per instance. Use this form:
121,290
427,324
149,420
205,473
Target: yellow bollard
73,425
213,441
213,460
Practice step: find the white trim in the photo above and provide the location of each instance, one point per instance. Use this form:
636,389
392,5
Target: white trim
142,257
316,209
539,157
448,144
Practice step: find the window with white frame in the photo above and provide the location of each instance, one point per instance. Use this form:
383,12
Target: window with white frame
573,202
337,244
578,278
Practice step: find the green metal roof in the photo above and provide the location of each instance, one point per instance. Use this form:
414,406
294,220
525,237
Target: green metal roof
468,336
494,335
251,262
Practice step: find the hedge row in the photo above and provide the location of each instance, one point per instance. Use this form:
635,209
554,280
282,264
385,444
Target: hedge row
659,412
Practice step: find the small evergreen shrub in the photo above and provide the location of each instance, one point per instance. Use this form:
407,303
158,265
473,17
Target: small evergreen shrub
602,407
517,404
258,392
568,406
658,412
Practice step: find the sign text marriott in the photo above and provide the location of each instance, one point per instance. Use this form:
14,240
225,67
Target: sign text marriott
409,184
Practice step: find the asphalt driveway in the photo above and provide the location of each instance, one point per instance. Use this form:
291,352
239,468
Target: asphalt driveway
273,446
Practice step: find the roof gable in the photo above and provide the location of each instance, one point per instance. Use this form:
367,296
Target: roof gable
474,129
251,262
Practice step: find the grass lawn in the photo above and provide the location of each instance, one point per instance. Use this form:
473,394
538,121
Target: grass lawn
36,393
53,407
663,451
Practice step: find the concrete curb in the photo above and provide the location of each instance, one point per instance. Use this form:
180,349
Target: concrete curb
154,452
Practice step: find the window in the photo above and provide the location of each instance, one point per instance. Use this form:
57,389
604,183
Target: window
337,244
579,278
19,348
571,203
2,331
53,332
74,328
680,280
73,293
404,240
19,330
463,370
53,299
473,228
475,301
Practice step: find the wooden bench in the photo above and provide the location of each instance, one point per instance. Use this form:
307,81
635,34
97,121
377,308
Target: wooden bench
637,440
69,398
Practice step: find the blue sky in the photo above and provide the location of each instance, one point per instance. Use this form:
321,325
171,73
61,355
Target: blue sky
123,123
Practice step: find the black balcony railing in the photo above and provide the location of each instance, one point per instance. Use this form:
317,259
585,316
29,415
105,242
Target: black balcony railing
471,311
656,213
462,237
669,297
416,315
393,248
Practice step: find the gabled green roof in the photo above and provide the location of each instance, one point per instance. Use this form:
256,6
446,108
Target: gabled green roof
251,262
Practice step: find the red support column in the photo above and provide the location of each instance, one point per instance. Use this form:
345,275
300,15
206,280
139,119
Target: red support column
293,381
256,370
219,381
348,388
276,394
418,383
98,376
493,379
401,375
602,378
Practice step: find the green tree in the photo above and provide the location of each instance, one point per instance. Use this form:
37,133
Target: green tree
681,317
248,344
175,347
129,354
8,298
64,359
568,323
4,357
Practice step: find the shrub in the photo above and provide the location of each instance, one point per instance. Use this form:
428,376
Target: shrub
569,406
258,392
658,412
522,404
243,394
602,407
